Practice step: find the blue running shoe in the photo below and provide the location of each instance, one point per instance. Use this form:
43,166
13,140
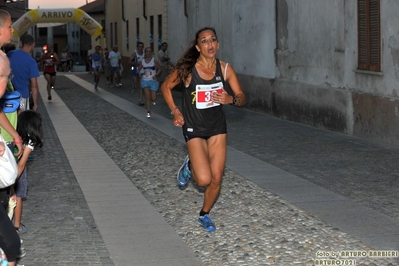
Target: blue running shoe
184,174
206,223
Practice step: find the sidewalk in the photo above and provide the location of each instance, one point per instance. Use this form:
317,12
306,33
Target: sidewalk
308,189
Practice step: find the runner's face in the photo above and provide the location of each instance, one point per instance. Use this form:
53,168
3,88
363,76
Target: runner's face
207,43
148,53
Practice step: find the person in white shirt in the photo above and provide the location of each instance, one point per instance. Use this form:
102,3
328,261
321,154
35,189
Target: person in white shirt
150,69
89,54
135,58
115,62
165,63
64,60
97,65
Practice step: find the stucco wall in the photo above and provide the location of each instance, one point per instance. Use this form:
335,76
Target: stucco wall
317,51
177,29
245,30
297,59
315,43
319,46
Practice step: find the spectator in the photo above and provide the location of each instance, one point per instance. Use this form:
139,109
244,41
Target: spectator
165,63
88,58
136,57
25,72
38,59
31,131
9,239
64,60
5,38
107,66
115,62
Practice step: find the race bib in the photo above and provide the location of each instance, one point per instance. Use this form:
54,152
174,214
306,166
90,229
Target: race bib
203,95
48,62
149,73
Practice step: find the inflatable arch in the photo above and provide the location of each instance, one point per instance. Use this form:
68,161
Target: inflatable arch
35,16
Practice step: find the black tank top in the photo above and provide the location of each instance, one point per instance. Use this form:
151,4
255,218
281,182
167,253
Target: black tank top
202,122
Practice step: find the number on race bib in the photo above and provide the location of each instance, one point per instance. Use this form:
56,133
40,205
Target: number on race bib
204,95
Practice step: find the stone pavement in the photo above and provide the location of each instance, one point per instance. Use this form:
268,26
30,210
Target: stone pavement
103,191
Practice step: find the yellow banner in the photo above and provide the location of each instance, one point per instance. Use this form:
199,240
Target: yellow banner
31,18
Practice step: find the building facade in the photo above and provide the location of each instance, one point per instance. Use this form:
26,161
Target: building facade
332,64
337,65
130,21
329,64
96,10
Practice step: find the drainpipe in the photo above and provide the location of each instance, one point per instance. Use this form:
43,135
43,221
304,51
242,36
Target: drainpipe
276,11
144,9
123,10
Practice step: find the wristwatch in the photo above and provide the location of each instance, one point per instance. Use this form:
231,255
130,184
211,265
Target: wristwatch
234,101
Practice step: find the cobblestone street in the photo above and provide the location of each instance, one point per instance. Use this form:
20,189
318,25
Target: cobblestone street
259,222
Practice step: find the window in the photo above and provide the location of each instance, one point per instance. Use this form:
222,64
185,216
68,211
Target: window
127,35
42,31
159,31
103,24
137,30
116,32
152,32
144,9
111,35
369,38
